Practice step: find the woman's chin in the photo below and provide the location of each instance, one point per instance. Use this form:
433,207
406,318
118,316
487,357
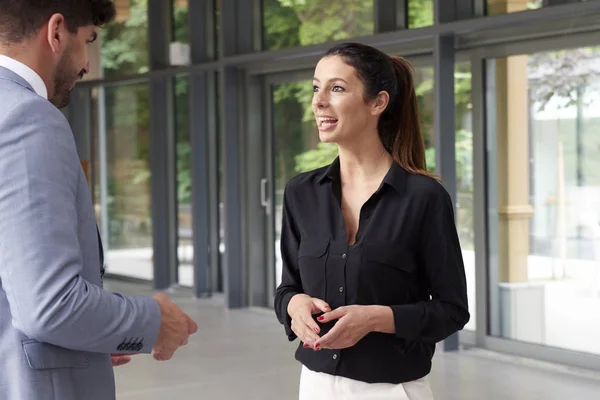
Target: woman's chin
327,137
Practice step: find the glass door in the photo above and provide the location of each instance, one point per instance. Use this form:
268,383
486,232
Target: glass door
295,147
544,195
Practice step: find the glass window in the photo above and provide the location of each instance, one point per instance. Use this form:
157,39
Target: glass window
464,178
217,22
544,195
218,273
420,13
181,23
424,85
423,80
301,23
124,41
495,7
122,181
297,149
184,181
296,144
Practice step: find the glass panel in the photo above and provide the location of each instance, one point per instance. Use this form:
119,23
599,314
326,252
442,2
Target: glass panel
495,7
300,23
420,13
217,21
296,141
545,198
181,23
297,147
424,84
124,41
218,275
464,179
423,80
184,181
123,115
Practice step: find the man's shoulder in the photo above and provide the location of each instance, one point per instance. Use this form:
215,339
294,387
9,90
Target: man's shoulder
20,101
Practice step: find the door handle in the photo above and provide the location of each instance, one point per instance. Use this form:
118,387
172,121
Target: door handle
264,200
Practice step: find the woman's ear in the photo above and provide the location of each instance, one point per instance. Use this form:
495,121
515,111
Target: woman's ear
380,103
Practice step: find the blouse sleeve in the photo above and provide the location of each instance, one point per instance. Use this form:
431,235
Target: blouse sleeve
290,281
440,254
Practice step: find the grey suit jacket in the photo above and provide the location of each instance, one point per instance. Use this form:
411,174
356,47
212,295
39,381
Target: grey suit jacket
57,325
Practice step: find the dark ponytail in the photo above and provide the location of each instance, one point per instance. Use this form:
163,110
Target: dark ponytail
399,125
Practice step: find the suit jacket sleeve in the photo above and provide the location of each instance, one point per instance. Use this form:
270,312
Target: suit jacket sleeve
40,255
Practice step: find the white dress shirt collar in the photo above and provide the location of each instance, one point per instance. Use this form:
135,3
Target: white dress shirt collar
26,73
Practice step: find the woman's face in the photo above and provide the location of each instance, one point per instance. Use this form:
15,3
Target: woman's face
338,102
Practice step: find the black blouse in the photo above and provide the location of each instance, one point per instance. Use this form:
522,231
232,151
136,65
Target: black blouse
406,255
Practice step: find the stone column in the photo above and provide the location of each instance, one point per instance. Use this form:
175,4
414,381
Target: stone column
512,116
495,7
512,108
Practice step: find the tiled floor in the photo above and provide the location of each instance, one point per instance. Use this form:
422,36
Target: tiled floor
244,354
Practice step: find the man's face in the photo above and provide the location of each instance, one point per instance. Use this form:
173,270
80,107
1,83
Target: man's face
73,65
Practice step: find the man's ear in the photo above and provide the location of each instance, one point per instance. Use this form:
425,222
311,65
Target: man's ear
57,32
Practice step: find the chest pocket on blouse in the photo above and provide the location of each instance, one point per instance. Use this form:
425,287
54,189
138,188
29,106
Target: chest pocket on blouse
389,269
312,257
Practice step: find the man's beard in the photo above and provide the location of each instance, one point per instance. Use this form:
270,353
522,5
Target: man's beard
65,78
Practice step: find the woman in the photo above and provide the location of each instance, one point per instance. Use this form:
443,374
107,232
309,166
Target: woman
369,243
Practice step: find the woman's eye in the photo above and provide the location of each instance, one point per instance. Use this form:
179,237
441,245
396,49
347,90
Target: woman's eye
338,89
315,89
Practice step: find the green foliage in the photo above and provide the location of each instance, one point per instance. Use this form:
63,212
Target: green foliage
125,52
304,22
324,154
184,172
125,44
420,13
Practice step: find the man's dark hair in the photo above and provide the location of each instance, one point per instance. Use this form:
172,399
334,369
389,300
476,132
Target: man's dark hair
21,19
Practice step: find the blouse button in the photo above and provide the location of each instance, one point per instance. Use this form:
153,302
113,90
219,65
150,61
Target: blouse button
344,255
335,356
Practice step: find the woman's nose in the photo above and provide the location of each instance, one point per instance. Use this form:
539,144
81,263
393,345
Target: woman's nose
319,100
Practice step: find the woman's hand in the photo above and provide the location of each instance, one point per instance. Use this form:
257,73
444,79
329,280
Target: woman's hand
354,323
301,309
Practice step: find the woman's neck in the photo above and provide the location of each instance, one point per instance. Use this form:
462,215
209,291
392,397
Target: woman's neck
365,164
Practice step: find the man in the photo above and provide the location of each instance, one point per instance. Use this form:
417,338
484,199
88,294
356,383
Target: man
58,327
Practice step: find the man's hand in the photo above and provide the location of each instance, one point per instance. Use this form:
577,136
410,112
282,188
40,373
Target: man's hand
119,359
175,328
354,323
301,309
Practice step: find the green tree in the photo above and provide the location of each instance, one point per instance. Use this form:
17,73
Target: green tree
125,42
125,52
304,22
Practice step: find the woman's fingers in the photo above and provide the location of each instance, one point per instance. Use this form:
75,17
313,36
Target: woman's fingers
305,327
321,305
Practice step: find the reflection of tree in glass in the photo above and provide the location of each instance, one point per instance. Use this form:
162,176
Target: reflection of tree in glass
303,22
125,52
289,23
125,42
562,75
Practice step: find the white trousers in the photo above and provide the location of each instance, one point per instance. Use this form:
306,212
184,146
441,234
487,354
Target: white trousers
320,386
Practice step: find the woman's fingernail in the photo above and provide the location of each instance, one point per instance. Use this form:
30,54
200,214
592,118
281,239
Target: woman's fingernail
321,318
317,330
306,346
